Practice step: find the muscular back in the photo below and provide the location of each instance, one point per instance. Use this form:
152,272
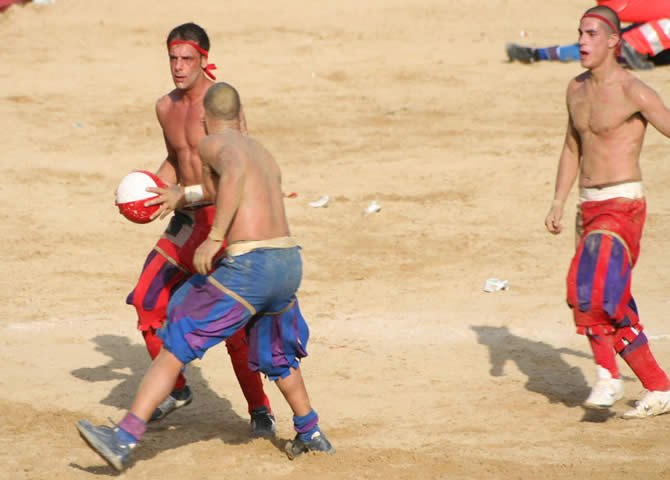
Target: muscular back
609,128
246,181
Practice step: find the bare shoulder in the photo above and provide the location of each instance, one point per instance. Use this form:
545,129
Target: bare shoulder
164,104
637,91
209,146
578,83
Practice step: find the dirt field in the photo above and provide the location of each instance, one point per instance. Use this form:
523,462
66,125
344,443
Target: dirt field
414,370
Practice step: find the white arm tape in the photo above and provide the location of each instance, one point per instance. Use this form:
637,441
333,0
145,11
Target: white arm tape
193,193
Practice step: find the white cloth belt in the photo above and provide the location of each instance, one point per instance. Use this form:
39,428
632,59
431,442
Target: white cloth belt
632,190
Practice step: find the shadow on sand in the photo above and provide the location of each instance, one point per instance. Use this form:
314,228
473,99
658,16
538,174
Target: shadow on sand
210,416
548,373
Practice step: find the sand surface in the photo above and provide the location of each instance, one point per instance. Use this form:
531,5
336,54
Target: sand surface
414,370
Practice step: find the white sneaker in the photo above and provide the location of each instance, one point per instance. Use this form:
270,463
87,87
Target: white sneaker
606,391
653,403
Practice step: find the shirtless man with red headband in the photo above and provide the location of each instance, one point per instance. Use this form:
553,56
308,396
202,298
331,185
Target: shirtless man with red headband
170,263
609,110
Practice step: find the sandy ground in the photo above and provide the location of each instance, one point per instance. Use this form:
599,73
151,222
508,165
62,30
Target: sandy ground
414,370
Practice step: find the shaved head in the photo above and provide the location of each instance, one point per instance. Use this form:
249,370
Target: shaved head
607,13
222,102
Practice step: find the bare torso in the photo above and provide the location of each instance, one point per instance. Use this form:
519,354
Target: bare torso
610,129
179,114
256,210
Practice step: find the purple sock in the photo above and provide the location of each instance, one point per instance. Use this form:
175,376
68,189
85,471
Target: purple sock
131,429
306,426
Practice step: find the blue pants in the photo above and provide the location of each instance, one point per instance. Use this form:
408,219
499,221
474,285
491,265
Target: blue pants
256,291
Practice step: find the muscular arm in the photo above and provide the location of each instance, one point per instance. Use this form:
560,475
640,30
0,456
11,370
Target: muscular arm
651,106
568,168
223,165
568,164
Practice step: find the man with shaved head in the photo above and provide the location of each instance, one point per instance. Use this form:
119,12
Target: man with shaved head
253,287
608,113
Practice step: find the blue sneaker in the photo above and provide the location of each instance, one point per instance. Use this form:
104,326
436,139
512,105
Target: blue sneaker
318,443
263,423
104,441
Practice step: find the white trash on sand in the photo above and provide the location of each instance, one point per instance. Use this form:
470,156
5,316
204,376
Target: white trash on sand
373,207
495,285
320,203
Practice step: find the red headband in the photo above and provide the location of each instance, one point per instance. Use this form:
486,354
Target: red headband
611,25
210,66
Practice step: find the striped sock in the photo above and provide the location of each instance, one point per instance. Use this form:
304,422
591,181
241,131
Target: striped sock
306,425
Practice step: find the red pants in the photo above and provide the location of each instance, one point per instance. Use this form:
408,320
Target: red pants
599,280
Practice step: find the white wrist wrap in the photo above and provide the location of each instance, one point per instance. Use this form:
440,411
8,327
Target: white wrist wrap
193,193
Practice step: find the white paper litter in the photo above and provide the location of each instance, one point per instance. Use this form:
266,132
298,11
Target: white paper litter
320,203
373,207
495,285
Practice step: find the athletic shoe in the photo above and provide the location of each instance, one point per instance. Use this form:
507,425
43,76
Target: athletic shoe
318,443
634,59
177,399
263,423
104,441
605,393
520,53
653,403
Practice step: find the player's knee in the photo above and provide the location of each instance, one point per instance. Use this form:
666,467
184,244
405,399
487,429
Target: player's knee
629,338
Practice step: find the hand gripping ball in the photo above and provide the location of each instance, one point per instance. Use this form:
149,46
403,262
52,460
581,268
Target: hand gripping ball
132,194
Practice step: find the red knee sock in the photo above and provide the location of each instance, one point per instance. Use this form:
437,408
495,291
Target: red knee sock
154,345
642,362
250,382
604,354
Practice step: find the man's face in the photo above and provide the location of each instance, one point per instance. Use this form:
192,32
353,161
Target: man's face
185,65
594,40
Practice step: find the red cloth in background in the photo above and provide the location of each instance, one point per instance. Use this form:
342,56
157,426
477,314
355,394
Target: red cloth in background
638,11
6,3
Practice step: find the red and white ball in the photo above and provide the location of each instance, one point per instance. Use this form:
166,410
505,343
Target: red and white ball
132,194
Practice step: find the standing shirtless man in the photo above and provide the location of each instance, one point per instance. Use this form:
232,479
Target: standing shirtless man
608,111
170,263
253,287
